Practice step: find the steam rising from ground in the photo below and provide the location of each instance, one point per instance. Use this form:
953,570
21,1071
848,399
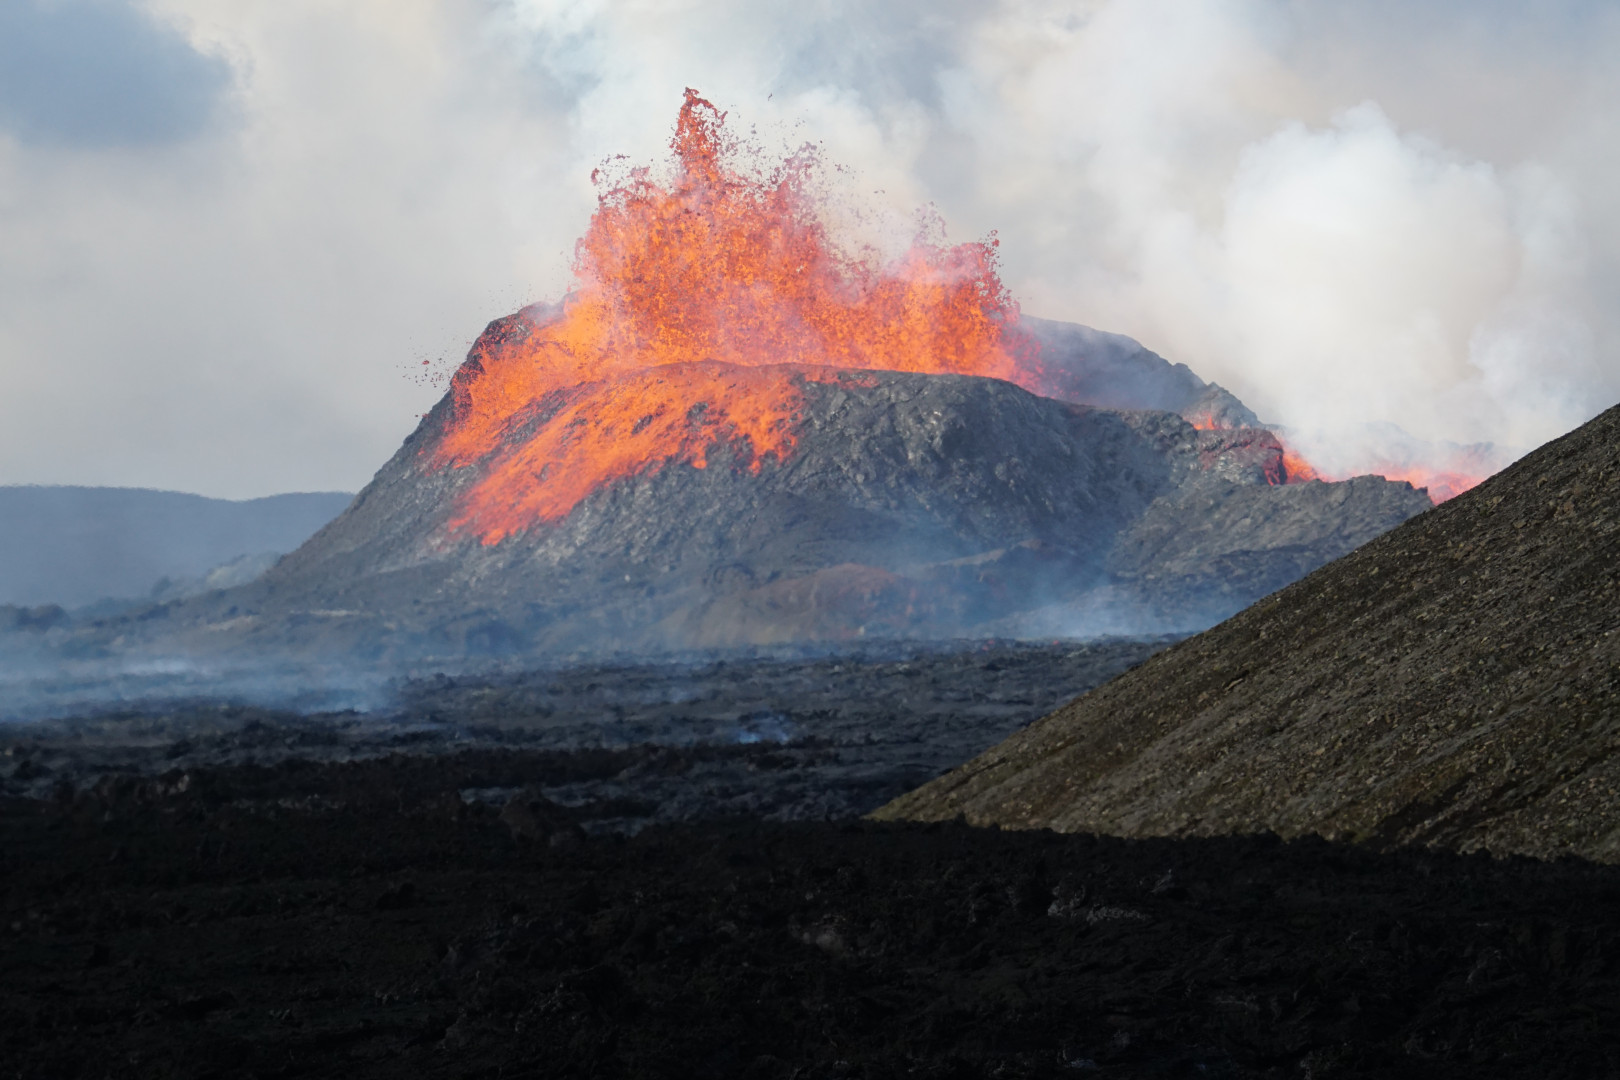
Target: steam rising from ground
38,687
1403,213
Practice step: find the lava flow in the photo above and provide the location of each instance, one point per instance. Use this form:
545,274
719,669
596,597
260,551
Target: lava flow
700,308
1453,475
1460,470
1297,469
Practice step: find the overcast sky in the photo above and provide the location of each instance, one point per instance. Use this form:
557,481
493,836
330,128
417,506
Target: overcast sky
232,230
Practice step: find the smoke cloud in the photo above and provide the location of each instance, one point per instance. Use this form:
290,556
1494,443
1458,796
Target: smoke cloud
1284,234
1377,213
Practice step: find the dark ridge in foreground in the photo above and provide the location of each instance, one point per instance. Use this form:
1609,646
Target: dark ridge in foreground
351,922
1456,682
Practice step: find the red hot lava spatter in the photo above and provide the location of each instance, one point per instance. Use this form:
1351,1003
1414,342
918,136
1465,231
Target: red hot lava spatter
701,306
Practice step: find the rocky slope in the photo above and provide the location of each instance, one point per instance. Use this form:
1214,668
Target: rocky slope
1456,682
1112,371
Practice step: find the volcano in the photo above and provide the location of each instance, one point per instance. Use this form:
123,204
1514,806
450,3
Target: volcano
735,431
1453,683
909,505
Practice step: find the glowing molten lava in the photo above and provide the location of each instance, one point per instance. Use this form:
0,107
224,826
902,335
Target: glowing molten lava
604,431
1297,469
1442,484
1445,481
700,308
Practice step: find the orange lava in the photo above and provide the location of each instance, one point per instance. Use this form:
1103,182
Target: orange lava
701,306
1442,484
605,431
678,288
1297,469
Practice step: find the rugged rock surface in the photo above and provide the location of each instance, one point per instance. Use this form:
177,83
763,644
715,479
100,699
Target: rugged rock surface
1455,683
894,475
361,921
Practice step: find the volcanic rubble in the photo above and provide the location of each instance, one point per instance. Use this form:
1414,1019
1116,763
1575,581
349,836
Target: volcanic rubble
809,737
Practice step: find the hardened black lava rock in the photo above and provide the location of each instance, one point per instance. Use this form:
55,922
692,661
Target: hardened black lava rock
783,737
358,920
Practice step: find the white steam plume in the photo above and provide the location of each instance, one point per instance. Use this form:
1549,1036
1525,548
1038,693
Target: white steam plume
1330,267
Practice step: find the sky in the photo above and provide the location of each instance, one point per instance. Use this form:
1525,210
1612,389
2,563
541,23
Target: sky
232,231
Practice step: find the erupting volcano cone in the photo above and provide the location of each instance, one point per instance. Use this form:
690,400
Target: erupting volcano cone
732,431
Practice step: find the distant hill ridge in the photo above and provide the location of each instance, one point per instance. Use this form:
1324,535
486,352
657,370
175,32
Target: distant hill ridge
1455,682
75,545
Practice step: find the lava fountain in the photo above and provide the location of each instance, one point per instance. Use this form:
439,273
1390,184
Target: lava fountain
700,306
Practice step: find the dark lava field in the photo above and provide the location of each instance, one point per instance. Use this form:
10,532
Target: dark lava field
355,921
623,745
659,871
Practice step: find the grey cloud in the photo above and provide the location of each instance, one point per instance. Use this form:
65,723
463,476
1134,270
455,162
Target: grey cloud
101,73
885,52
